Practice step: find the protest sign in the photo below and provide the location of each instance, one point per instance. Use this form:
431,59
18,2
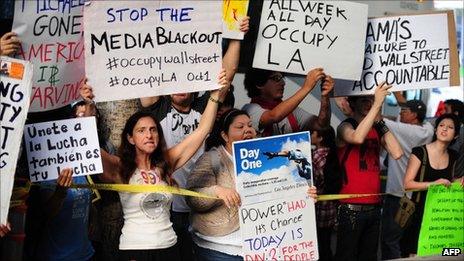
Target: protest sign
51,38
277,219
443,220
408,52
297,36
15,89
148,48
232,12
53,146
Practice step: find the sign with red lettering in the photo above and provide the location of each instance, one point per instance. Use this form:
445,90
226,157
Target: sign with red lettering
53,146
15,89
51,38
277,218
408,52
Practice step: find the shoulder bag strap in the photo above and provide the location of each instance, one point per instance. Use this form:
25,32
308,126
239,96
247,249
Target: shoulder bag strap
422,172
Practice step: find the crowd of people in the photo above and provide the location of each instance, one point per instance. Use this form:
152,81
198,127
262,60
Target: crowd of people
66,224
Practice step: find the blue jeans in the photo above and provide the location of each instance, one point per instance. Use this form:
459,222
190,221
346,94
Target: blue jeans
358,234
391,231
205,254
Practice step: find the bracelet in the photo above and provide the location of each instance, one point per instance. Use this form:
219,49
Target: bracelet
214,100
381,127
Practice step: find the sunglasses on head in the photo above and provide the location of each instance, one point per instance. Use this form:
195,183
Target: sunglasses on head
276,77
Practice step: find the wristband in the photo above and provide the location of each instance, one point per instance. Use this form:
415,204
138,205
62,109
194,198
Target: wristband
381,127
214,100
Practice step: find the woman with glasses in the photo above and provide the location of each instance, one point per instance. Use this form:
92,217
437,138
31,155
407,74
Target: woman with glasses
271,115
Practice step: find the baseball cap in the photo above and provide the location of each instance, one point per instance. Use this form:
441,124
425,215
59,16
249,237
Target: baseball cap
416,106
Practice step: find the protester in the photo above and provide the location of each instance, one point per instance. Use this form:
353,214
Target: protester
327,179
65,215
215,223
271,115
360,139
456,107
147,233
410,131
179,115
439,163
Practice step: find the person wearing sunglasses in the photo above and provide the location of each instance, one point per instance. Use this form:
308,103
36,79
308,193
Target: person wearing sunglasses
271,114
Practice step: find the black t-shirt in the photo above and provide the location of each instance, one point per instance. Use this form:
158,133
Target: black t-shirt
430,173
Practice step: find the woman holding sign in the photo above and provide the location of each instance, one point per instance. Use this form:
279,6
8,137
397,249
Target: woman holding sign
431,164
147,233
216,222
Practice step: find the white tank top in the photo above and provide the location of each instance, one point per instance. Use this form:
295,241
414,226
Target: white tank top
147,222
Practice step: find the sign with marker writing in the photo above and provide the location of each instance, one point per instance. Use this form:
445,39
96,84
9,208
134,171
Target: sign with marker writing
443,220
149,48
53,146
277,218
51,38
408,52
232,13
15,89
297,36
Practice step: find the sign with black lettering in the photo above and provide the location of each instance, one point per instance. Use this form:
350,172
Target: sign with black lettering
139,49
296,36
53,146
52,39
277,218
408,52
15,89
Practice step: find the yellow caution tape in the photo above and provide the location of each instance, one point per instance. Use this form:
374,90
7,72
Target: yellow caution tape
143,189
345,196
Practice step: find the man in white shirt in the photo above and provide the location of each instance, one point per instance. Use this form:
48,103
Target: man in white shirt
410,131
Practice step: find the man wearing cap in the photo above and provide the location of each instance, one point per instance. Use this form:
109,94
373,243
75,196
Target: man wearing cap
410,131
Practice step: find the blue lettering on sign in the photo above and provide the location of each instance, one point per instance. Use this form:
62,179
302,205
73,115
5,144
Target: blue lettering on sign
119,14
265,241
176,15
62,6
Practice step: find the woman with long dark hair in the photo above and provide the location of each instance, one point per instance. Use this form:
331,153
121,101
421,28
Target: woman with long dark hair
142,158
439,163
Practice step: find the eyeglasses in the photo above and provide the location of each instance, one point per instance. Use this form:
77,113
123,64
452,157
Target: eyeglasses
277,78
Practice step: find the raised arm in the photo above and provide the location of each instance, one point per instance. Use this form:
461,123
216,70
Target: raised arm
182,152
287,106
392,145
111,168
149,101
323,119
231,58
357,136
52,202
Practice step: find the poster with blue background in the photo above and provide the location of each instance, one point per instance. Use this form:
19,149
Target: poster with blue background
277,218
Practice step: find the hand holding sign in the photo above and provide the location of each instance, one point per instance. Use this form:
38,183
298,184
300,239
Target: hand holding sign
327,85
9,44
380,93
230,196
65,178
313,77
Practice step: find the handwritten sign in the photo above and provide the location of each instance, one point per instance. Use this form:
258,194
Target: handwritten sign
296,36
51,38
443,220
277,219
52,146
409,52
15,89
232,12
148,48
